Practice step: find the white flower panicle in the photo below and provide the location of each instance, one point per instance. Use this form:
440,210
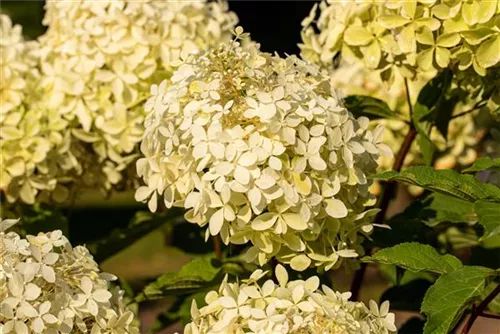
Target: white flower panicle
30,134
290,307
47,286
97,61
259,148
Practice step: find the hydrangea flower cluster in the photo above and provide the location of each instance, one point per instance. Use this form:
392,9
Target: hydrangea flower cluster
406,36
463,133
47,286
292,307
96,63
259,148
30,134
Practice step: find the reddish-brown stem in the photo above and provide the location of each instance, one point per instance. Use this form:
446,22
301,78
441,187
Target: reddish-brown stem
217,246
387,194
478,311
491,316
388,191
390,187
357,282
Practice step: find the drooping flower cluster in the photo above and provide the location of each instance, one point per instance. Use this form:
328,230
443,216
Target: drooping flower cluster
459,148
47,286
258,148
406,36
96,63
291,307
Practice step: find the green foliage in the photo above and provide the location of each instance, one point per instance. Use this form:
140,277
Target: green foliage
42,218
432,109
142,224
416,257
494,305
420,112
449,297
200,273
373,108
485,163
447,182
434,209
489,217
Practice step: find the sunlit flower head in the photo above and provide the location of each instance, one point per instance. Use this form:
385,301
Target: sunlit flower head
47,286
406,37
259,149
291,307
97,61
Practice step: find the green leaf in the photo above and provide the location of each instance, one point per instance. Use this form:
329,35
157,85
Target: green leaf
443,115
432,108
494,305
142,224
489,217
361,105
485,163
407,297
423,128
437,208
447,182
434,91
404,228
42,218
416,257
200,273
449,297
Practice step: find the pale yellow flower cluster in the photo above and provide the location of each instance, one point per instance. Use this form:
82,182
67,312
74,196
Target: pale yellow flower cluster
96,63
34,140
259,149
289,307
406,37
48,286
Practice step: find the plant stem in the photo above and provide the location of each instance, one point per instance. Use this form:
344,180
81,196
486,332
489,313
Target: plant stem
357,282
476,312
387,192
474,108
217,246
491,316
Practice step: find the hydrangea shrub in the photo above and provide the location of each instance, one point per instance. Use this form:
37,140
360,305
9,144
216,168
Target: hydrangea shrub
272,156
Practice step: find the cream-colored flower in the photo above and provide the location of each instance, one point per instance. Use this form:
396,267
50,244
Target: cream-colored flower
405,37
95,65
47,286
291,307
258,148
